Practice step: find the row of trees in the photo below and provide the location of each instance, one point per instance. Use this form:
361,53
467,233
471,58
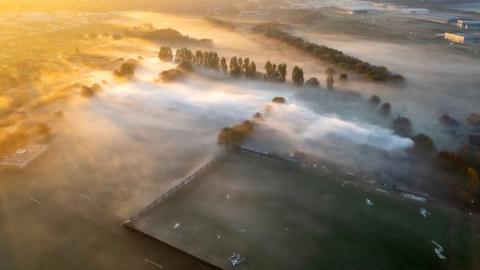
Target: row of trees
297,76
165,54
207,59
184,56
275,73
324,53
243,67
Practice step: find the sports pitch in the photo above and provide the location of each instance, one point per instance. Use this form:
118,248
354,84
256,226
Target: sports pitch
278,215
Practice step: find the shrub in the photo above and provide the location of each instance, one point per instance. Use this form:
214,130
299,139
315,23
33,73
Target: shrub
279,100
402,125
312,82
374,99
171,75
87,91
127,69
423,143
235,135
386,108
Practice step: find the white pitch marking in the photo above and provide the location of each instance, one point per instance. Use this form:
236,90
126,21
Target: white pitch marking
34,200
153,263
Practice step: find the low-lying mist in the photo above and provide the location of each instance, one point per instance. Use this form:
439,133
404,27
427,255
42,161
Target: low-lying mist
312,120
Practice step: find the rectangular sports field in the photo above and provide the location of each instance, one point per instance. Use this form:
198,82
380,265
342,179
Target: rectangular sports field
278,215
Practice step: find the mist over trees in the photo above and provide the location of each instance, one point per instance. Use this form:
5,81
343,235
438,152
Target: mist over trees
236,135
220,23
184,56
275,73
312,82
165,53
250,70
207,59
127,69
235,70
330,81
238,67
330,55
223,65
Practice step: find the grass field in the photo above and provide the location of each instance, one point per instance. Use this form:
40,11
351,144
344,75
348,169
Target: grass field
279,216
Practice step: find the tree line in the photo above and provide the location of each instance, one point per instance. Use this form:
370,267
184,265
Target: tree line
238,67
336,57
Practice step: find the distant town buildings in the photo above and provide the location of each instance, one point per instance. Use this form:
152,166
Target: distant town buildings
469,33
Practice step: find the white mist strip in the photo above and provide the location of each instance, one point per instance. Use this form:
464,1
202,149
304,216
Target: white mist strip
308,125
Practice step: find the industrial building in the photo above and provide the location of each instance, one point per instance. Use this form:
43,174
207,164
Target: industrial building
469,24
356,10
461,38
439,18
415,11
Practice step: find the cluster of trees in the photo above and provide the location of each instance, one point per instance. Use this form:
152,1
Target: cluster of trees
275,73
220,23
115,36
386,109
324,53
236,135
423,144
168,35
90,91
184,56
374,99
297,76
165,54
207,59
171,75
466,163
127,69
402,126
238,67
242,67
